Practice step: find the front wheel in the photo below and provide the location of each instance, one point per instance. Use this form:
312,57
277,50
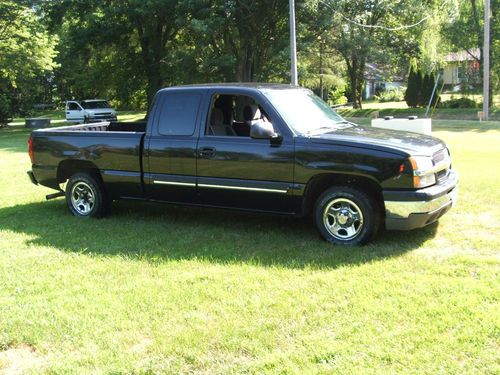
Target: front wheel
346,216
85,196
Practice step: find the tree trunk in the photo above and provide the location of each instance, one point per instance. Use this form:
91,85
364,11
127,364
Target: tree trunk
355,69
155,83
151,51
245,65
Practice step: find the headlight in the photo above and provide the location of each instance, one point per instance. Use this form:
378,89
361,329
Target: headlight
423,173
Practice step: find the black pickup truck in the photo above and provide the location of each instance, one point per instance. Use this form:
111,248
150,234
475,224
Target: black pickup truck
260,147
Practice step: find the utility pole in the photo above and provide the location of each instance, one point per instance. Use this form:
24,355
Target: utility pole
321,88
486,61
293,46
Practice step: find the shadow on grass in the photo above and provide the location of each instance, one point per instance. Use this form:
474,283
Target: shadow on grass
158,233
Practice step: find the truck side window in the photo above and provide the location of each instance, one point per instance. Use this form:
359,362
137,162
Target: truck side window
232,115
178,114
73,106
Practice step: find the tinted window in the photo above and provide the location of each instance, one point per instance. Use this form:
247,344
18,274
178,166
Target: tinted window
73,107
95,104
178,114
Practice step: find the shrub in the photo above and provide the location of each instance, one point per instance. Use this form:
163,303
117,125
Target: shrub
413,92
394,94
458,103
336,96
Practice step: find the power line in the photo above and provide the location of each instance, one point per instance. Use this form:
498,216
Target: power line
385,27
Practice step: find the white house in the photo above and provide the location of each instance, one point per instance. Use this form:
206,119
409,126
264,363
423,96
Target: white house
462,66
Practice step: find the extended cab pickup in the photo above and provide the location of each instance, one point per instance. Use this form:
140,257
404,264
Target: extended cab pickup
262,147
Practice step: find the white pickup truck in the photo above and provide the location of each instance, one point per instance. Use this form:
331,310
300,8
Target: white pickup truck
94,110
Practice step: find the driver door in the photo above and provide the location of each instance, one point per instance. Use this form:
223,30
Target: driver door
239,171
74,112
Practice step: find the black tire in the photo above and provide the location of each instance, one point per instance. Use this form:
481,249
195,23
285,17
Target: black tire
347,216
86,197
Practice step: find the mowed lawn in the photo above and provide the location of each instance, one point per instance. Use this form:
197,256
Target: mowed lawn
164,289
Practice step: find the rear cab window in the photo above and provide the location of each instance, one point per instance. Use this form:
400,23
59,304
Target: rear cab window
178,113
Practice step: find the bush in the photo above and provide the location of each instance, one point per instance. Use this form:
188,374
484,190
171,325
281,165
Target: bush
458,103
336,96
394,94
5,114
413,93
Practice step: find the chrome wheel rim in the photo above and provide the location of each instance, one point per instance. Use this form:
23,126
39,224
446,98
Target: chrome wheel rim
343,219
82,198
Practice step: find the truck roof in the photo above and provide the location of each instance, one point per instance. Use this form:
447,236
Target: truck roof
237,85
87,100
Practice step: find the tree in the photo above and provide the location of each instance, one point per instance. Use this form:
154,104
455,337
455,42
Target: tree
370,31
139,33
428,84
412,90
465,33
26,55
169,42
241,40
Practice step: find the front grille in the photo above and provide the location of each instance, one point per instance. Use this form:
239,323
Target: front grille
442,176
439,156
442,157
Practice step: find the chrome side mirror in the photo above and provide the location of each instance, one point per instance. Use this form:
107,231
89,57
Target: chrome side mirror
262,130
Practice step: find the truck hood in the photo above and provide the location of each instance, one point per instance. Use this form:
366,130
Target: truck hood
362,136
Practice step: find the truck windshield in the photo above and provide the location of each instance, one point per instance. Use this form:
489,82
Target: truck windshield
305,112
95,104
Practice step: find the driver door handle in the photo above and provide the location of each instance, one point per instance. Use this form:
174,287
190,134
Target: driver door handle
207,152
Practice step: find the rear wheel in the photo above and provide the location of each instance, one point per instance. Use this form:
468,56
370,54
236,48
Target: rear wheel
346,216
85,196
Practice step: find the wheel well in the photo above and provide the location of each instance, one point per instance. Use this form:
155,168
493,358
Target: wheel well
67,168
318,184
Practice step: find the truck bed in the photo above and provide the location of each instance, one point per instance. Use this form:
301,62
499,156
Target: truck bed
134,127
115,149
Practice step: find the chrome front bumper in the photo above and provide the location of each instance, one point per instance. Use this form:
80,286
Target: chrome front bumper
402,210
411,214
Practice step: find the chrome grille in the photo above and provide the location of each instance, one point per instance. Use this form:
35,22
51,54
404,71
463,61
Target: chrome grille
439,156
442,157
442,175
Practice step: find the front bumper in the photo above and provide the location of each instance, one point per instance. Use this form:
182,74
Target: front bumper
416,209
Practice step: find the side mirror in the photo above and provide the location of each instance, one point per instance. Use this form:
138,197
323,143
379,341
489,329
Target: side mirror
262,130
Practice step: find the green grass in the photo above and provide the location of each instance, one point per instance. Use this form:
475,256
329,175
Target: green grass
164,289
392,109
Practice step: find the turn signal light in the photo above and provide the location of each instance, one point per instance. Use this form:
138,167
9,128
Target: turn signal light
30,150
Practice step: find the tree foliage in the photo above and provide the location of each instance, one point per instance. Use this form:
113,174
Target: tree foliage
368,32
125,50
413,88
27,54
420,87
465,32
